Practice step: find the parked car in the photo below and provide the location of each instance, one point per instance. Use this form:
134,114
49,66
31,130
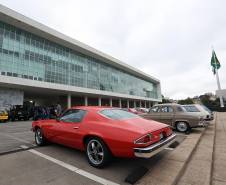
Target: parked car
132,110
19,112
175,116
104,132
199,110
210,112
142,110
4,116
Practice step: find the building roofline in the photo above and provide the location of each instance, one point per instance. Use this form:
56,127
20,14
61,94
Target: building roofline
14,18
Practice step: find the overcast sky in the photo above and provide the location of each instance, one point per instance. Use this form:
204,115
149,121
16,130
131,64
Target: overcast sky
168,39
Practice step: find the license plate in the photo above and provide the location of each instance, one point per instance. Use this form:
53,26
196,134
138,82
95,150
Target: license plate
19,112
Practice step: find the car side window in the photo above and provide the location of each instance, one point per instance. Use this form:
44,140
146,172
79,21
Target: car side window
179,109
73,116
154,109
166,109
170,109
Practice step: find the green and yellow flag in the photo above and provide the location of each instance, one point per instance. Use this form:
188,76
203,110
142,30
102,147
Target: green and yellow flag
215,62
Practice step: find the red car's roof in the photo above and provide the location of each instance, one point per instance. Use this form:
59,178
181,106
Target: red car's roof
97,108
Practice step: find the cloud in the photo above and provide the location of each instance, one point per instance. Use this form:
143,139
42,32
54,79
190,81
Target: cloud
168,39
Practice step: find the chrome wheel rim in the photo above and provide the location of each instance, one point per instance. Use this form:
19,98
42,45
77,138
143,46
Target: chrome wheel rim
95,152
38,136
182,127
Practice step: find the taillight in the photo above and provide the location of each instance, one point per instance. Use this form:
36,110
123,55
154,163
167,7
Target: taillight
144,139
169,131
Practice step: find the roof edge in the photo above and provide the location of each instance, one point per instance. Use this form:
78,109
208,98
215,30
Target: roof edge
25,23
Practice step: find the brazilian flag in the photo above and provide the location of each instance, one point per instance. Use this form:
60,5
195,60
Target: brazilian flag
215,62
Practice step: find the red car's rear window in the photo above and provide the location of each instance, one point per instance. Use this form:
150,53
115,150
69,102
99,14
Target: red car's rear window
118,114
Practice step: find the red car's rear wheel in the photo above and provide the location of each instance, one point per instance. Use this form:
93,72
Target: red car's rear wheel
97,152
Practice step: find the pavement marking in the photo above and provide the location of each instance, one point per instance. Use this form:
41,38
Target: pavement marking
24,146
16,138
24,132
73,168
167,148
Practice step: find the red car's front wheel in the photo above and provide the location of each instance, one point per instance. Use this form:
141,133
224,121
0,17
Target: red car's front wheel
97,152
39,137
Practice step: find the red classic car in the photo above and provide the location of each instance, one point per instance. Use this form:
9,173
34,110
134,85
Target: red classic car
103,132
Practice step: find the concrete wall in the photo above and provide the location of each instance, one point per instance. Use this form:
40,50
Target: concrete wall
9,97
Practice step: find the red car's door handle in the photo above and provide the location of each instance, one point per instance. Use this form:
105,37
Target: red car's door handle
75,127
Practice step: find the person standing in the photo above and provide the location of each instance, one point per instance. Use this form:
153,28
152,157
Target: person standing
58,109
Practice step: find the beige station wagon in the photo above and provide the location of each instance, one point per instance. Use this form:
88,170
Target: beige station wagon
175,116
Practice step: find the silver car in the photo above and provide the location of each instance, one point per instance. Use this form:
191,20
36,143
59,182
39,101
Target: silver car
175,116
199,110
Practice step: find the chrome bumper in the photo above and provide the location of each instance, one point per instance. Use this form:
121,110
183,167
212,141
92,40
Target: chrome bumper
154,148
203,123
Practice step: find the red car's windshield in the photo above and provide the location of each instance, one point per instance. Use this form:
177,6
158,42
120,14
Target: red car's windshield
118,114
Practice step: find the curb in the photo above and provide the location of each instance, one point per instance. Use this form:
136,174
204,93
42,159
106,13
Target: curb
171,174
213,155
181,172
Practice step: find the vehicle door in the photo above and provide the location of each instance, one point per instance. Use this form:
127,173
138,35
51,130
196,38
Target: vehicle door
167,115
69,128
153,114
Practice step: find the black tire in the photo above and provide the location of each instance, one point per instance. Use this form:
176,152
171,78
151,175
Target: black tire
101,160
182,126
40,140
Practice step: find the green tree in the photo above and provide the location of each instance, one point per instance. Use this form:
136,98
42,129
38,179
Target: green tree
186,101
165,100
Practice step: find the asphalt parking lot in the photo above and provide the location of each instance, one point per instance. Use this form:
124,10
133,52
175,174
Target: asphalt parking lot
56,164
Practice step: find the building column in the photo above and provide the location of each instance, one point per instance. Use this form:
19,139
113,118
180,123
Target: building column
69,101
120,103
86,101
134,104
110,102
145,104
128,104
99,101
140,103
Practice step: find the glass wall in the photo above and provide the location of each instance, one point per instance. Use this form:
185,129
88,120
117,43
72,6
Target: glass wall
25,55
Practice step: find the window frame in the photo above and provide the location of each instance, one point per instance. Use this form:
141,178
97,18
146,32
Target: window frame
182,109
63,114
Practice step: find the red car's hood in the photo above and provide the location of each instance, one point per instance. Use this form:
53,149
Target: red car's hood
139,125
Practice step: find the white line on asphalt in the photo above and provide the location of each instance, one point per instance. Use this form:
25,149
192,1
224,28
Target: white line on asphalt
167,148
74,169
16,138
24,146
24,132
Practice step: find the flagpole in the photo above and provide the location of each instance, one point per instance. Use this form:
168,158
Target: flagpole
219,88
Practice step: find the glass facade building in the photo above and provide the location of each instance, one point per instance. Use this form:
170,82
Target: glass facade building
28,56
